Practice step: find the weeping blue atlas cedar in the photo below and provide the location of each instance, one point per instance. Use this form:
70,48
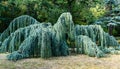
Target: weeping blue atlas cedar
26,37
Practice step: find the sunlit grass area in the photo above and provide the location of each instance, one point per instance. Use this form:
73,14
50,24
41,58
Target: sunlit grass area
69,62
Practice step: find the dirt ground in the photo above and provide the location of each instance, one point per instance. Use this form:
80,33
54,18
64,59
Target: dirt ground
69,62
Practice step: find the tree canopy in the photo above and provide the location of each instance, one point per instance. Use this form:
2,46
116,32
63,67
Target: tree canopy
83,11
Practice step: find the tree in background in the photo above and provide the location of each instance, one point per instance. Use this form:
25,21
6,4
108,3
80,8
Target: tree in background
49,10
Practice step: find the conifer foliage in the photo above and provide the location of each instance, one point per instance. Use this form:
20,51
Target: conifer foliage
25,37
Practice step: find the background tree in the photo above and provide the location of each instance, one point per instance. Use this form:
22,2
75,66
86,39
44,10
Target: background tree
49,10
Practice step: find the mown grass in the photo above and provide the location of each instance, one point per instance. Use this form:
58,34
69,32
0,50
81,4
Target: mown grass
69,62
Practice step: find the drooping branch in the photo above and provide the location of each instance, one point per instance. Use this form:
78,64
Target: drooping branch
34,39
